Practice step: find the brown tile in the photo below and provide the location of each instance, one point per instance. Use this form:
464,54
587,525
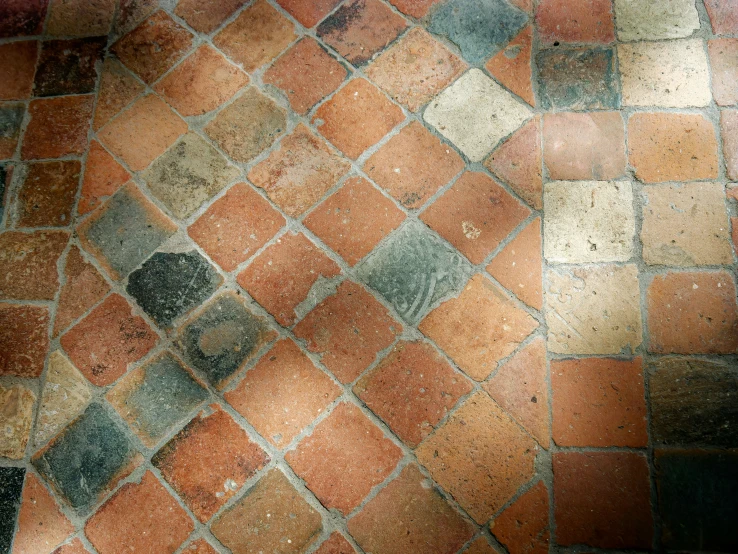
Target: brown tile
523,526
131,13
235,226
359,29
200,546
414,8
140,517
58,127
282,276
692,313
16,420
481,546
208,461
308,13
357,117
280,518
598,402
80,18
47,196
503,457
415,69
27,326
202,82
256,36
575,21
306,73
412,389
283,393
475,215
729,130
724,60
300,172
28,264
520,387
518,160
512,66
143,132
18,66
602,499
41,525
152,48
206,16
354,219
347,330
413,165
103,176
68,66
107,340
344,458
407,516
117,89
672,147
723,16
11,120
22,17
74,547
247,126
336,544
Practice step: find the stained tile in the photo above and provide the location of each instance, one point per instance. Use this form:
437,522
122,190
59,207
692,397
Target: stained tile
723,16
512,66
16,419
22,17
11,488
18,65
308,13
206,16
118,87
80,18
481,546
68,66
200,546
587,21
724,62
41,525
729,131
103,176
26,326
28,264
131,13
655,20
47,196
11,118
414,8
523,526
58,127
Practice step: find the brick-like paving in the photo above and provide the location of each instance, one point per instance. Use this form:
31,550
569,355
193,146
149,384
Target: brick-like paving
368,276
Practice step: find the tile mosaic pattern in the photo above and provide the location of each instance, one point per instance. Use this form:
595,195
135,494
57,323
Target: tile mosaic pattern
368,276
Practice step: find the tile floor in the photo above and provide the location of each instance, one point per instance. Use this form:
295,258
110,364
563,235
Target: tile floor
368,276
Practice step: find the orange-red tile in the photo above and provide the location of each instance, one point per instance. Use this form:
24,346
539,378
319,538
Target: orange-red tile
118,87
523,526
206,16
103,176
24,339
414,8
28,264
575,21
308,13
47,196
58,127
512,66
41,525
18,66
74,547
336,544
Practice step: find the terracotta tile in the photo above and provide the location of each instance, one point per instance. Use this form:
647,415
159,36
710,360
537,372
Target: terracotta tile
284,522
723,16
74,547
481,546
336,544
107,340
18,65
16,420
413,165
359,29
415,69
692,313
348,330
222,337
520,387
53,118
412,389
256,36
306,73
143,132
80,18
11,487
724,61
206,16
200,546
308,13
117,89
139,517
247,126
353,220
202,82
344,457
503,457
235,226
408,515
575,21
22,17
357,117
475,215
729,130
300,172
602,499
523,526
152,48
512,66
28,326
103,176
11,119
41,525
283,393
598,402
208,461
125,231
517,161
28,264
47,196
581,146
655,19
68,66
478,328
282,277
414,8
131,13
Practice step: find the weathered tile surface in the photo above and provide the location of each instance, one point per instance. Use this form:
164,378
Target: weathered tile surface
68,66
28,264
118,87
41,525
58,127
11,488
18,63
46,197
80,18
523,526
207,15
655,19
11,118
512,66
23,339
16,420
103,176
575,21
724,63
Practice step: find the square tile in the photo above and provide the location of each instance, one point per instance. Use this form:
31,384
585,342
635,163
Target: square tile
16,420
587,21
344,457
512,66
357,117
118,87
41,525
18,64
223,337
68,66
478,328
475,114
283,276
58,127
283,393
594,310
655,19
11,119
589,221
125,231
27,326
11,489
205,16
353,220
723,16
300,172
30,254
48,194
670,74
475,215
80,18
208,461
348,330
523,526
22,17
724,62
103,176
